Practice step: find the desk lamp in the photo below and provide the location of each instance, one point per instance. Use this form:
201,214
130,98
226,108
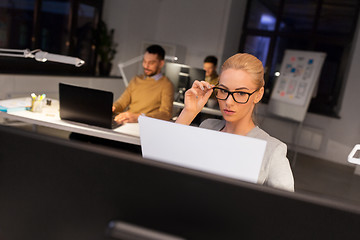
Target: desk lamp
41,56
354,156
135,60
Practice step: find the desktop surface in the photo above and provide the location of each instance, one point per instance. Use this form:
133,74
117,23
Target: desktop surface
49,117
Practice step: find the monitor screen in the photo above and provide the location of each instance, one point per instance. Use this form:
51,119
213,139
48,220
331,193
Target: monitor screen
172,71
53,188
183,75
196,74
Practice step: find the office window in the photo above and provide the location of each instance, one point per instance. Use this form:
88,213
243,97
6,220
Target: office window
17,15
63,27
272,26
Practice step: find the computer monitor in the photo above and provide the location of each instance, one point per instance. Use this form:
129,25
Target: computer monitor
196,74
172,71
53,188
182,76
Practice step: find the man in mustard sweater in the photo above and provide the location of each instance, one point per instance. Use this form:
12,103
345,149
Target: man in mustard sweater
151,94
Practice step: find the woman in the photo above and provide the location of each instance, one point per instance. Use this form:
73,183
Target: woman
241,87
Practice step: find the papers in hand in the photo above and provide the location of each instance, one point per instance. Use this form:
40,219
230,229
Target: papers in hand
201,149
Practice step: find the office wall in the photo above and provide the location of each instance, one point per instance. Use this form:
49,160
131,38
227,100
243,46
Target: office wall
198,28
14,85
203,27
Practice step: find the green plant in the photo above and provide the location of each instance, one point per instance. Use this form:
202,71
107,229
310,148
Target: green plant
106,47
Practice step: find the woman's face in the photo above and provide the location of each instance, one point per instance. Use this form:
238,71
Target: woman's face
238,80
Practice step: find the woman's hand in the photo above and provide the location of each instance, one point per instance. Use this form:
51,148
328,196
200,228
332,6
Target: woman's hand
195,99
197,96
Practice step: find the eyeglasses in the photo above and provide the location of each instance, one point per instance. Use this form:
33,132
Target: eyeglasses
238,96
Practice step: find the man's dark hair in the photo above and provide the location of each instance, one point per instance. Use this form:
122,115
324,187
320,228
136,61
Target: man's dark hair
156,49
211,59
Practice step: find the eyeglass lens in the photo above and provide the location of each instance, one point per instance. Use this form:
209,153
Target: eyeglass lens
240,97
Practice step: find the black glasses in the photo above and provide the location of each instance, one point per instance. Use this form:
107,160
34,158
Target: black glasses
238,96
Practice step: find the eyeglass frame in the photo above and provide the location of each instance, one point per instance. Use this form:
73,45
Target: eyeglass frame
232,94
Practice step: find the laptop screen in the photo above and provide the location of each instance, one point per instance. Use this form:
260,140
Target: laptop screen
85,105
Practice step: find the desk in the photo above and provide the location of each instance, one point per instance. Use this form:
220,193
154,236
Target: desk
49,117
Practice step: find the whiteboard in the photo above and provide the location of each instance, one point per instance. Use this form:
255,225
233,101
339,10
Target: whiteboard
294,87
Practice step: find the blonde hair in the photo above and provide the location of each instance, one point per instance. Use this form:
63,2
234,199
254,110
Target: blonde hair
247,63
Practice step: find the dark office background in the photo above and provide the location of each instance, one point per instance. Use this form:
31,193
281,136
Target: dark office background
68,27
65,27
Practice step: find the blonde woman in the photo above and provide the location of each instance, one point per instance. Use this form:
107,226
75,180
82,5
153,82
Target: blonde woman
240,88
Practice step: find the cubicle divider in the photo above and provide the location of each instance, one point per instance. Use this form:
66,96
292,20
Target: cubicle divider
53,188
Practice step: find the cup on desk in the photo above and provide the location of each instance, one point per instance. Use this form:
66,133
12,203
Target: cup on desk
37,102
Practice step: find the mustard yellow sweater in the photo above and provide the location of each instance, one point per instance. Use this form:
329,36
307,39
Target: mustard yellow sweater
154,98
213,79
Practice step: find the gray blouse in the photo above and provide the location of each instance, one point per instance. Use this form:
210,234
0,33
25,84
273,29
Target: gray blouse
275,170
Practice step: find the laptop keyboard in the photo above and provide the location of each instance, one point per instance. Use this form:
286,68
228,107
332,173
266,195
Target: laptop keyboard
114,124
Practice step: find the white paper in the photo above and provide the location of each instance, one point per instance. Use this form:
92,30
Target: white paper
206,150
129,129
16,103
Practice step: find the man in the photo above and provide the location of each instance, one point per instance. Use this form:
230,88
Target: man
151,94
211,76
210,64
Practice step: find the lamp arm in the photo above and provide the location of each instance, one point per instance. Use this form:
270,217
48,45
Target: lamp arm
25,53
121,67
131,61
41,56
171,58
127,63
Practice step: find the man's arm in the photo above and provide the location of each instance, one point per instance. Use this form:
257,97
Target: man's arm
124,100
127,117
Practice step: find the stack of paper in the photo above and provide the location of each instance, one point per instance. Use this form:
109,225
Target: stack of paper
12,105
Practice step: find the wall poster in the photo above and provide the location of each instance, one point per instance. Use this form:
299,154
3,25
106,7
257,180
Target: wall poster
298,75
294,87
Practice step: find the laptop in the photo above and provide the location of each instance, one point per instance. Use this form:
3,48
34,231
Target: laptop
225,154
87,105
